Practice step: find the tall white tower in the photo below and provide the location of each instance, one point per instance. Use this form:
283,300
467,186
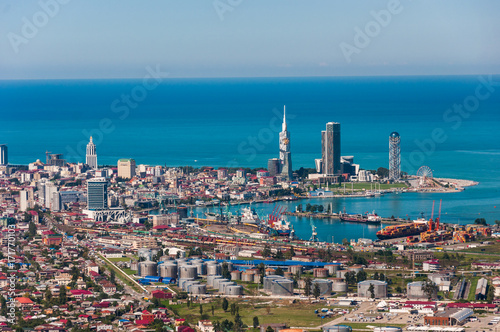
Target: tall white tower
91,159
394,156
285,155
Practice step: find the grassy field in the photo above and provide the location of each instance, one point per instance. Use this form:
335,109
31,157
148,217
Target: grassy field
489,249
472,292
129,271
119,259
293,314
120,275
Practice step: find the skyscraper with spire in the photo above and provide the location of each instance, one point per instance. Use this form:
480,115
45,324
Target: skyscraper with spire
91,158
285,155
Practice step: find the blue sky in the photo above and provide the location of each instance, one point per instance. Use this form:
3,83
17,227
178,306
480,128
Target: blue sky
245,38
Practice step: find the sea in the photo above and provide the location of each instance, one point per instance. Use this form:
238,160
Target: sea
450,124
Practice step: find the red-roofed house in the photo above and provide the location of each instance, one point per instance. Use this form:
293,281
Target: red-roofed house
147,316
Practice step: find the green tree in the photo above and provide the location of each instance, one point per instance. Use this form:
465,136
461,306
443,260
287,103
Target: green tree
308,207
238,323
226,325
62,295
350,277
307,286
279,271
371,289
269,329
361,276
490,295
321,208
225,271
213,311
480,221
289,254
225,304
429,289
383,172
375,276
201,309
266,252
256,322
32,229
316,291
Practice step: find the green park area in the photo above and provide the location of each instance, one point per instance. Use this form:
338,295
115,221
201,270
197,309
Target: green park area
297,314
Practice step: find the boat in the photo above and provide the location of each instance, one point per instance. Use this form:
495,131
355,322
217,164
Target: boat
249,216
403,230
368,218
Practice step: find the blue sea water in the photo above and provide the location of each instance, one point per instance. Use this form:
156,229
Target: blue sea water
235,122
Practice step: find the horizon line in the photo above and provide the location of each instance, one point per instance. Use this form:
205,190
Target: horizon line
243,77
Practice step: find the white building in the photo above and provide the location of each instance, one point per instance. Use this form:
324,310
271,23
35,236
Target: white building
91,158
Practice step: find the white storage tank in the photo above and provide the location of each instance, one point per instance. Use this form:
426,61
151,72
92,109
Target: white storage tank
247,276
147,268
168,270
234,290
332,269
223,285
337,328
201,268
218,281
188,271
198,289
210,280
235,275
339,286
325,286
379,289
183,281
213,269
388,329
269,279
282,287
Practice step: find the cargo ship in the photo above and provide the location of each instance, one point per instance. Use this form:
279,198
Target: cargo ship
276,223
410,229
368,218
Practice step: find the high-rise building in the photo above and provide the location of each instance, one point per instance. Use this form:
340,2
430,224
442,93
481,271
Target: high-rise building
4,156
274,166
91,158
394,156
126,168
50,189
330,148
285,154
97,194
24,200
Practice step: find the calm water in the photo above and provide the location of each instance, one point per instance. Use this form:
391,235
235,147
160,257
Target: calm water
235,122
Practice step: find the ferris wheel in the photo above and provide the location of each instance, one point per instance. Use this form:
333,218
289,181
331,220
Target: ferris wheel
424,172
